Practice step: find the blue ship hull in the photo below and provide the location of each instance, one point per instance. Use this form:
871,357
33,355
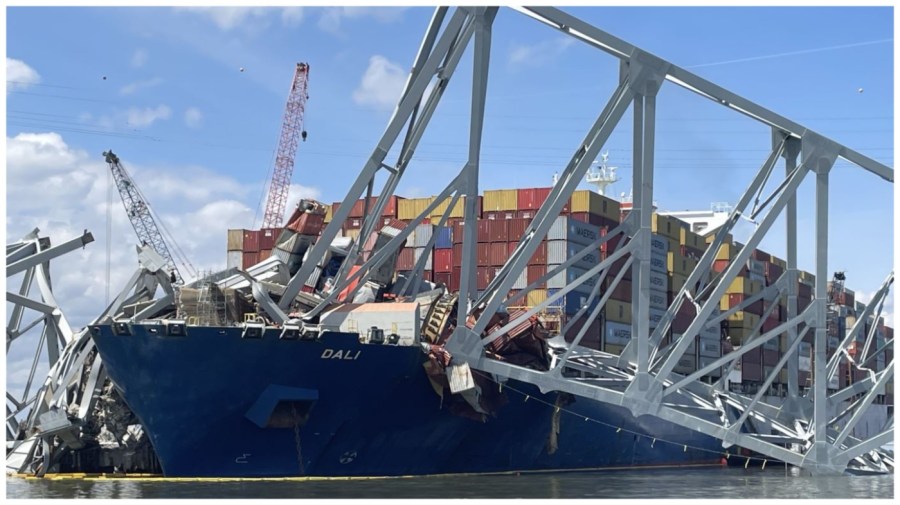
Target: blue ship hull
214,404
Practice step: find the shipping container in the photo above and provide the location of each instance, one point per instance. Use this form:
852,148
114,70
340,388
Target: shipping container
521,280
516,228
234,259
406,260
531,198
540,254
618,311
536,296
500,199
617,333
592,335
235,241
498,253
659,281
535,272
249,259
443,260
483,253
423,234
419,252
659,246
565,228
568,276
411,208
560,251
444,238
251,241
441,278
525,214
498,230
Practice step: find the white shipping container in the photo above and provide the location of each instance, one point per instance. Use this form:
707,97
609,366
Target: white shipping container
687,364
234,259
758,277
711,332
573,230
659,281
704,361
314,277
691,350
710,348
656,316
756,266
568,276
418,252
521,280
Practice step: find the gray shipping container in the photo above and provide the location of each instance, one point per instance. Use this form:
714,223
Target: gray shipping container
521,280
423,234
704,361
659,264
617,333
659,281
558,251
659,246
573,230
418,254
658,300
234,259
710,348
568,276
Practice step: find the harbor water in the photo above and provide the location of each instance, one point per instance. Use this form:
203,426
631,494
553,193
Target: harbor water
774,482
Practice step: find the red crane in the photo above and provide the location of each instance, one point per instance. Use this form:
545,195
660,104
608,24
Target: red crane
291,132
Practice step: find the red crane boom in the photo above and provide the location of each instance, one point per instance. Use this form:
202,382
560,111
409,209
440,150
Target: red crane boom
291,132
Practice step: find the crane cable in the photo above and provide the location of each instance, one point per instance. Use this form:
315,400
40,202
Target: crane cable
169,239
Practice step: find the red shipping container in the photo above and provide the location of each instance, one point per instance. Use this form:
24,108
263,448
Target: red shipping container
754,308
498,253
406,260
525,214
773,272
427,275
267,237
251,241
511,248
804,379
752,356
454,279
484,276
750,371
442,277
532,198
442,260
264,254
622,291
496,215
484,255
540,254
534,273
457,255
771,357
484,234
516,228
760,255
457,233
498,230
249,259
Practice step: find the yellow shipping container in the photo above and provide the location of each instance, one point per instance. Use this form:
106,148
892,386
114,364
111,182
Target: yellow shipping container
739,335
743,285
352,233
613,348
807,278
678,264
589,201
410,208
729,239
778,261
459,210
235,240
328,212
500,199
727,251
691,239
743,319
617,311
536,296
663,225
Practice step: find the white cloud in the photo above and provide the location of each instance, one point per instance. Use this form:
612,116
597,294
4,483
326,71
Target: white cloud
63,190
193,117
540,53
381,84
147,116
139,58
887,312
19,75
136,86
332,17
248,18
292,16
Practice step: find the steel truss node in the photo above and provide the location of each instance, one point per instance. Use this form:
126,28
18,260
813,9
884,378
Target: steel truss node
812,431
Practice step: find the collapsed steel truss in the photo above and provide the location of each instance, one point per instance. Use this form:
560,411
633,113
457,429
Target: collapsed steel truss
66,398
813,431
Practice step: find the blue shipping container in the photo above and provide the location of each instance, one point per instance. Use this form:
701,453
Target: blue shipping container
444,238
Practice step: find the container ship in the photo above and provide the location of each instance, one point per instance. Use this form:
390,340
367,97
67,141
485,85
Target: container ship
223,391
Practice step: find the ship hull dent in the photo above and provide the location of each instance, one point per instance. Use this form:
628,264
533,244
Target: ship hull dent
217,405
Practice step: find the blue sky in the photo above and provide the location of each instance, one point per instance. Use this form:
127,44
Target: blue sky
199,135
